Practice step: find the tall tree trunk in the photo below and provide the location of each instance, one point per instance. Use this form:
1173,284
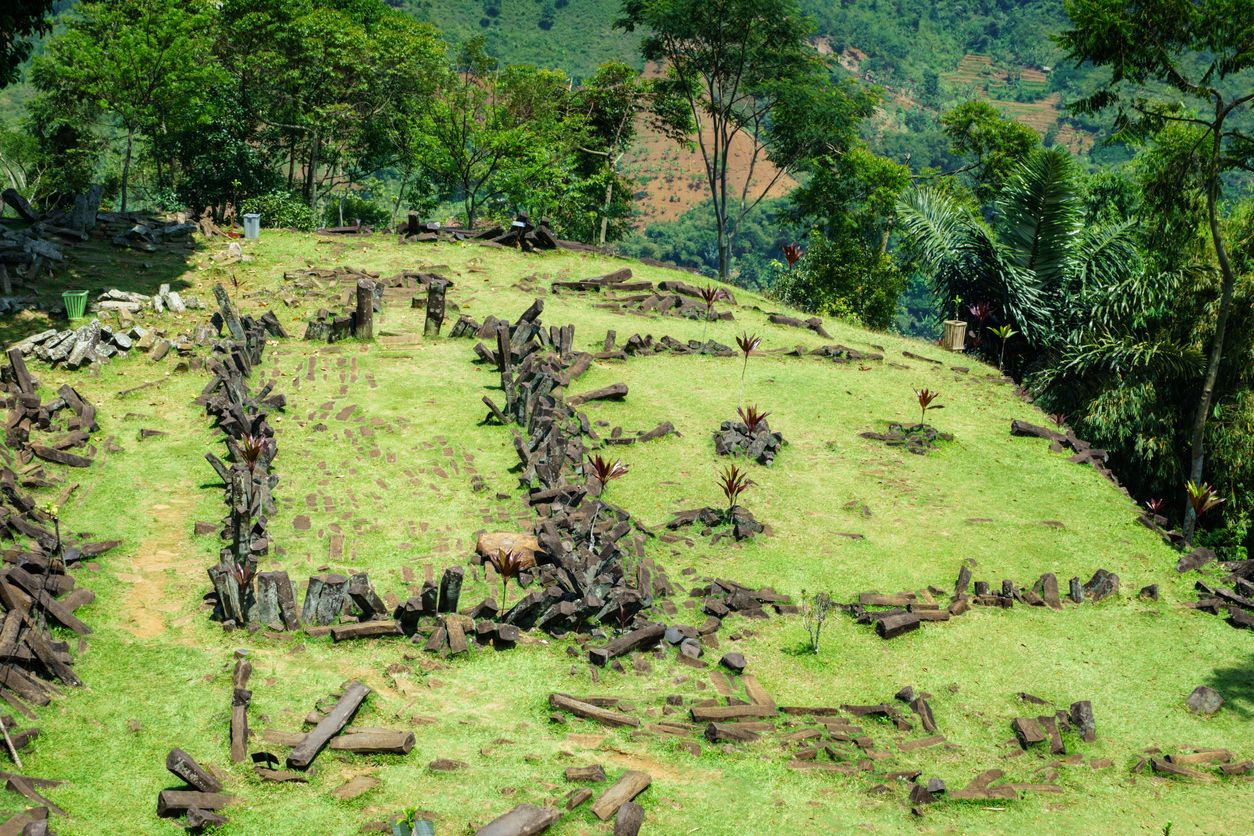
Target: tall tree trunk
400,193
605,212
1198,451
311,178
291,164
126,164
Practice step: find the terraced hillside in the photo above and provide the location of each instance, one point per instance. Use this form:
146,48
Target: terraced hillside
387,466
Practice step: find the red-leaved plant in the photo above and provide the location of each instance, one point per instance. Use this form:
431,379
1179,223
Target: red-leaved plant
981,311
605,471
710,295
507,564
748,344
733,482
792,254
927,400
251,448
751,417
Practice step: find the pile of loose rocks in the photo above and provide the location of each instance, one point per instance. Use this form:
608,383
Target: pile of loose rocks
760,444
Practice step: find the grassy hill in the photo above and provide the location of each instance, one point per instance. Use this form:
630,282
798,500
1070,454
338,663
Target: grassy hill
380,443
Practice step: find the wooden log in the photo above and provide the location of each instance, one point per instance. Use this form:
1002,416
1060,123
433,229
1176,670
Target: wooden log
363,320
173,803
625,789
303,754
184,767
523,820
565,702
377,742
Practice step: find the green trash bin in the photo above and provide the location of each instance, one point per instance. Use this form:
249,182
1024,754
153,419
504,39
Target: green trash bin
75,303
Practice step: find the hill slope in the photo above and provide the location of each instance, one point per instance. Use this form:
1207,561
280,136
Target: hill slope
380,448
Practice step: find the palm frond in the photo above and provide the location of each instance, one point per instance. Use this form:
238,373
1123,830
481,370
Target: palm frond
1105,255
1123,355
1040,214
966,261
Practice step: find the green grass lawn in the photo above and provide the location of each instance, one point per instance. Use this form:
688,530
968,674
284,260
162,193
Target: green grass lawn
379,444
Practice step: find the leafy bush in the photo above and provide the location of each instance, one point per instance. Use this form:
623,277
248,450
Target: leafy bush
281,209
355,208
844,278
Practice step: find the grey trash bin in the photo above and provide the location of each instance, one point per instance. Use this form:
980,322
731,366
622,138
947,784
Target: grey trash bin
252,225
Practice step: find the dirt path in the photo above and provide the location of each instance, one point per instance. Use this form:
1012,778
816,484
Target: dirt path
148,602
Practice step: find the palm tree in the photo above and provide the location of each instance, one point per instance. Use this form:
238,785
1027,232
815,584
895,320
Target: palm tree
1032,260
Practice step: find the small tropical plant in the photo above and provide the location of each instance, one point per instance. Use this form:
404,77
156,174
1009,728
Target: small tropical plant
981,312
251,448
733,482
1003,333
748,344
1059,419
927,400
957,307
244,573
54,513
792,254
710,295
605,471
507,563
751,417
1203,497
1156,505
813,614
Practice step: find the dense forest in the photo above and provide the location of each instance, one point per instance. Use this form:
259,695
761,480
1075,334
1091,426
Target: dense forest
1111,279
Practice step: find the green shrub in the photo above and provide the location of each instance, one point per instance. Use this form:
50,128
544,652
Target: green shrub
356,208
845,278
282,210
